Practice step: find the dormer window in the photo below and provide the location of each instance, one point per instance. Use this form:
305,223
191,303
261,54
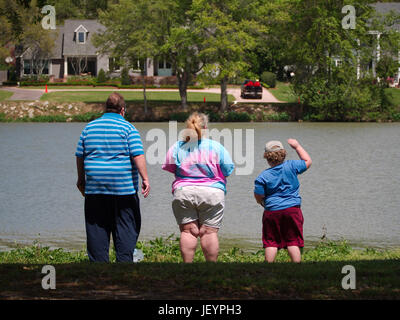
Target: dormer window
80,34
81,37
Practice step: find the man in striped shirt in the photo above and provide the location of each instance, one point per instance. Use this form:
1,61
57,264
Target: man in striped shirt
109,158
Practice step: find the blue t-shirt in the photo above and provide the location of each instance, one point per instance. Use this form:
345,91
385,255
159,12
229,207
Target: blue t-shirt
107,145
280,185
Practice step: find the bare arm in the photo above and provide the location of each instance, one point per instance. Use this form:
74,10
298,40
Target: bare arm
81,175
303,155
140,163
260,199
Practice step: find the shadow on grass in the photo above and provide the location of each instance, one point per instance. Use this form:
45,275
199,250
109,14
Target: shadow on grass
375,279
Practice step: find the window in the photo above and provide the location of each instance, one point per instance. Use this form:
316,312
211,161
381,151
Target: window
338,63
81,37
114,64
27,67
46,67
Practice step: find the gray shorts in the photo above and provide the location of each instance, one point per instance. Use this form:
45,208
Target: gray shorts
205,204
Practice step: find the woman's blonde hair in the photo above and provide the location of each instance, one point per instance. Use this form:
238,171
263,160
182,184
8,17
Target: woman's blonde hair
275,158
197,122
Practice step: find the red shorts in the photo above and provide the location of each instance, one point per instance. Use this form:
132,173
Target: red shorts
283,228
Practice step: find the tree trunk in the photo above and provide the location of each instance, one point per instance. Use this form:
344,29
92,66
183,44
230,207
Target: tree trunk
224,94
183,80
144,93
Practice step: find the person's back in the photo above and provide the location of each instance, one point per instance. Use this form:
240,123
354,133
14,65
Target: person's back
200,167
277,191
108,144
109,157
281,185
202,163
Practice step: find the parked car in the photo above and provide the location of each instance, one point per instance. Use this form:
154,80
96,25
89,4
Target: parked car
252,89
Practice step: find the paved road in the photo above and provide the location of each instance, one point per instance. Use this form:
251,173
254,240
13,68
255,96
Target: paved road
24,94
35,94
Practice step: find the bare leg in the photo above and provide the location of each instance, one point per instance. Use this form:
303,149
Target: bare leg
188,242
209,242
294,253
270,254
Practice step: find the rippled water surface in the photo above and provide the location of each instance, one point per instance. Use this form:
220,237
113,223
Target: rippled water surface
352,189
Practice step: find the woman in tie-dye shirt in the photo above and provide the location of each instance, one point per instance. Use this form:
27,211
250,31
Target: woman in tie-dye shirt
200,167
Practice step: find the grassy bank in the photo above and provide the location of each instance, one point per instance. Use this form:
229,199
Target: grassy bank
129,96
85,117
237,275
5,95
283,92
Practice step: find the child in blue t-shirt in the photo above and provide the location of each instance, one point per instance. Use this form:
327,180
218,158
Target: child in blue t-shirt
277,190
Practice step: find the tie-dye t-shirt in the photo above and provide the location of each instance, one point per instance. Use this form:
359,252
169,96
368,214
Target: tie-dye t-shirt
200,163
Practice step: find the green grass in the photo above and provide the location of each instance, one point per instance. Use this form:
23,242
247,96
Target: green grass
394,96
237,275
283,92
132,96
5,95
67,87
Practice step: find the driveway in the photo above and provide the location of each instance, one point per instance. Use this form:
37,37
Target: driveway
35,94
24,94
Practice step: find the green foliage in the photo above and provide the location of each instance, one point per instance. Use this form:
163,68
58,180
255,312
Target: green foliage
168,250
269,78
179,116
125,78
86,117
213,116
278,117
101,77
237,116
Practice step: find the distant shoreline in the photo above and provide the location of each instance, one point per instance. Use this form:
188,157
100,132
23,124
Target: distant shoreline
158,111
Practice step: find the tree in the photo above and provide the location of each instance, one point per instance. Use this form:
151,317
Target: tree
181,46
316,39
39,44
131,32
225,31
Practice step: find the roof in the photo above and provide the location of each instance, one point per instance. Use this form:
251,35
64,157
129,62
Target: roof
385,8
71,47
65,44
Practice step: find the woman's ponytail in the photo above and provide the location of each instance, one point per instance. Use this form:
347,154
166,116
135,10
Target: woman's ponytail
196,123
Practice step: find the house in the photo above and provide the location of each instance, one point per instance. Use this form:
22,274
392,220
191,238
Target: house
74,53
383,9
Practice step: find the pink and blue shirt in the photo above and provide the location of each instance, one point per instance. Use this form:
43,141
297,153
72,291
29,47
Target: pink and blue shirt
201,163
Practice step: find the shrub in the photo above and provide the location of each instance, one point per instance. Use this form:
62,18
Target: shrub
282,117
237,116
213,116
125,78
179,116
269,79
396,116
86,117
101,77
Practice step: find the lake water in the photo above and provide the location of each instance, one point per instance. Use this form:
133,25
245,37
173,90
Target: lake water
352,189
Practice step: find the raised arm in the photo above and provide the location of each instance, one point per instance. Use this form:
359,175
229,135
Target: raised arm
303,155
140,163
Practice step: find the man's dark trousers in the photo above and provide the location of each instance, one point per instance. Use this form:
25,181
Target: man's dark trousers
116,215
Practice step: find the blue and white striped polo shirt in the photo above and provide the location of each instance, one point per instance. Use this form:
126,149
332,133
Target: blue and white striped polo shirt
106,144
